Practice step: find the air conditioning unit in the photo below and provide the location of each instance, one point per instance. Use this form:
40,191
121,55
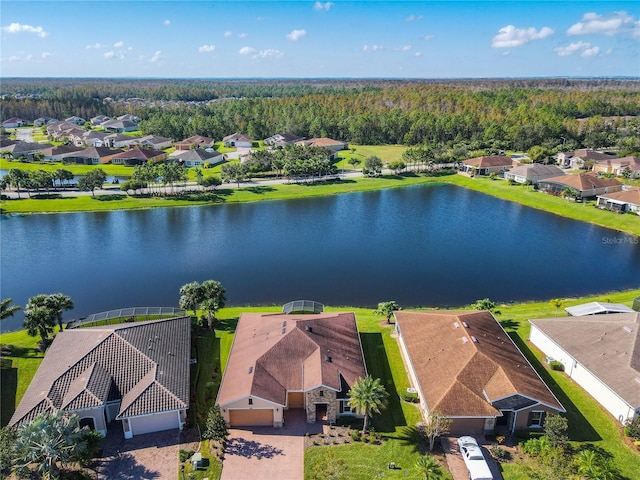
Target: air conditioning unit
549,360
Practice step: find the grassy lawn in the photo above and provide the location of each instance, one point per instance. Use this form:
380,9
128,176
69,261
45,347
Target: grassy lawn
219,196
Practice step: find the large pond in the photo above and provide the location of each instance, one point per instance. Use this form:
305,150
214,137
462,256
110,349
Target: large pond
435,245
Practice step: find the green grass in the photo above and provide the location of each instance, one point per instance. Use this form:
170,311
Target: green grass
108,168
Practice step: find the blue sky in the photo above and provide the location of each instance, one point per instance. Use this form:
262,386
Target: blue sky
399,39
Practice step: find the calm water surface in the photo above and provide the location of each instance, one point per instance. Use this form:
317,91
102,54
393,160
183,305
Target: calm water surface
427,245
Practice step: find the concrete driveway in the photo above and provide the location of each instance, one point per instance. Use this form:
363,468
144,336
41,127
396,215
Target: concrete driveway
264,453
456,464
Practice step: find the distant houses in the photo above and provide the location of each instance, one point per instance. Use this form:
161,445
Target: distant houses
237,140
486,165
532,173
584,185
627,201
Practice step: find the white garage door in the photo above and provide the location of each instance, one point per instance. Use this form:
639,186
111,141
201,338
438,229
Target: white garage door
154,423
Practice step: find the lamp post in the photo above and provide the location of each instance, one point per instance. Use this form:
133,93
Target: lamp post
182,471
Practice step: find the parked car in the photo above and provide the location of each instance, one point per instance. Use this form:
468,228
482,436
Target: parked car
474,459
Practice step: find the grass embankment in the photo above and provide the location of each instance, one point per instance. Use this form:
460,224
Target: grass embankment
588,422
83,203
585,211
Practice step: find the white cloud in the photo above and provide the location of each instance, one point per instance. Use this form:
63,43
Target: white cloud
14,58
322,6
167,22
227,34
611,24
429,37
413,18
506,53
270,52
19,28
206,48
95,45
46,54
405,48
297,35
246,51
119,44
243,35
156,56
372,48
109,55
585,49
511,36
590,52
418,54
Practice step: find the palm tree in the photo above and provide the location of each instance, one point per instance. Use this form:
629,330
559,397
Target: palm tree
213,298
367,396
556,302
39,320
58,303
191,296
6,309
428,468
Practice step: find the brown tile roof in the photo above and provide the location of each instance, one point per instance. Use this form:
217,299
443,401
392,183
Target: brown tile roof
583,181
632,162
587,154
275,353
139,154
145,364
237,137
490,161
321,142
631,197
97,152
461,377
606,345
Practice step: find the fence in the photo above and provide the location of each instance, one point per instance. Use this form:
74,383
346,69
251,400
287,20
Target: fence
133,313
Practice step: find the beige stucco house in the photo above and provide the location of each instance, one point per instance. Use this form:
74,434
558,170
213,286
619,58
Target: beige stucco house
280,362
465,366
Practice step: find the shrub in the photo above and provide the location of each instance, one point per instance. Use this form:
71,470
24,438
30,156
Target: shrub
356,435
556,365
185,455
498,452
632,427
6,363
409,397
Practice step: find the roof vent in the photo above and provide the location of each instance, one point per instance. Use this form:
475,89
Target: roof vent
474,339
328,358
308,328
465,324
637,379
456,324
250,370
284,324
465,339
284,330
627,329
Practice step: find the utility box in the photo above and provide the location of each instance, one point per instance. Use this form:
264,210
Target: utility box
196,461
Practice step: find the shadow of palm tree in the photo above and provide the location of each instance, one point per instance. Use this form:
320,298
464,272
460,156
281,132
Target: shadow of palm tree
509,324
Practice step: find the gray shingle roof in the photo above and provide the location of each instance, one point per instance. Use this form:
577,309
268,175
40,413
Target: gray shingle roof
145,364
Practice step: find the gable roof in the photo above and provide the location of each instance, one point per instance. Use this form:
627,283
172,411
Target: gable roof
587,154
276,353
145,364
595,308
583,181
607,345
237,137
139,154
322,142
195,154
460,376
632,162
490,161
96,152
197,140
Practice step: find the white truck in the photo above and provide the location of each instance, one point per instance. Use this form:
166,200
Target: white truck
473,458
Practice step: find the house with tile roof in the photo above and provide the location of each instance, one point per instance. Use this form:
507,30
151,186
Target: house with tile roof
619,166
119,126
581,158
92,156
57,154
137,374
585,185
195,141
486,165
237,140
199,157
532,173
15,122
282,139
623,201
154,141
138,156
279,362
601,353
465,366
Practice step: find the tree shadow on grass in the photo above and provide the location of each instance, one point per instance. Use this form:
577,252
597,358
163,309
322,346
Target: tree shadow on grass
509,324
260,189
110,198
580,429
25,352
228,324
8,389
335,181
46,196
378,367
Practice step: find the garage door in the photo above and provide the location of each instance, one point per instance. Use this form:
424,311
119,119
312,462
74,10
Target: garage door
154,423
257,417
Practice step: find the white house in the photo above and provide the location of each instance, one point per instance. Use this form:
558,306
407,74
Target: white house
600,353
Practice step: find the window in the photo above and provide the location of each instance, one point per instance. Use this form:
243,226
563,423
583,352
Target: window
321,393
251,401
536,418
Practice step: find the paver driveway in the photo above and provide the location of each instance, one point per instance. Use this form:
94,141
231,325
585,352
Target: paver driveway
264,453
